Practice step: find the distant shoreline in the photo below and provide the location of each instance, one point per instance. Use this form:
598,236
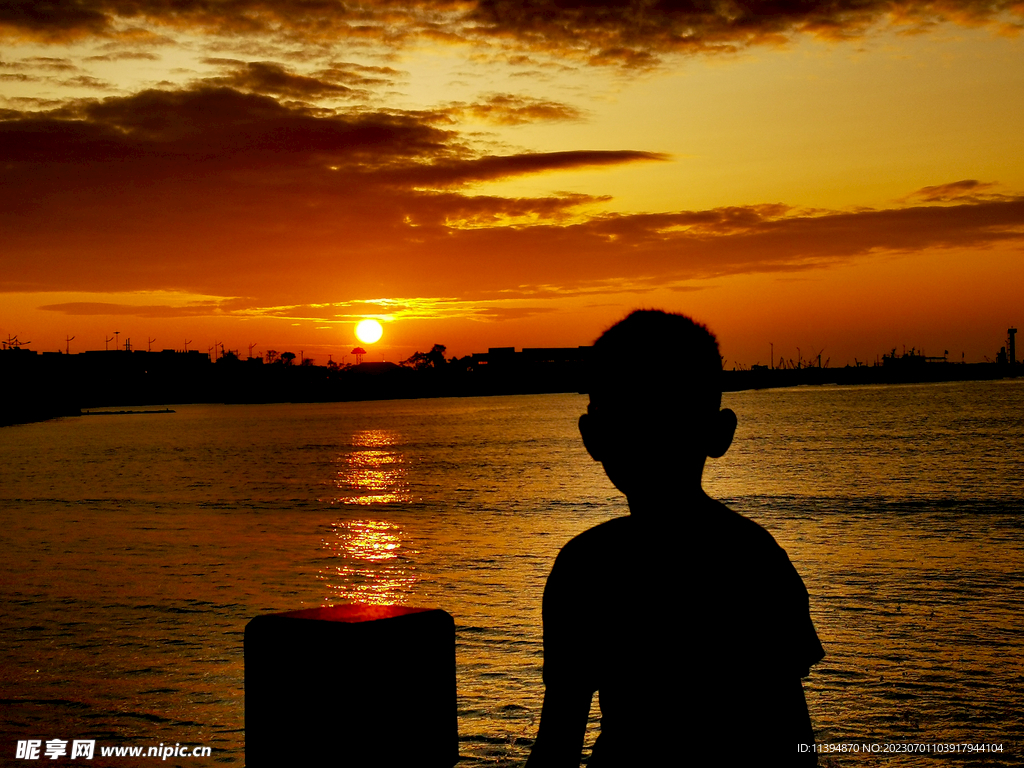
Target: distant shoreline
39,395
124,413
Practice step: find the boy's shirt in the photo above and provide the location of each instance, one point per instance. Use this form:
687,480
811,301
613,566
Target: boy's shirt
695,631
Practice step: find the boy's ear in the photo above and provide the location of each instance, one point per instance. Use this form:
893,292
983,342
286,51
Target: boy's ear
590,433
723,429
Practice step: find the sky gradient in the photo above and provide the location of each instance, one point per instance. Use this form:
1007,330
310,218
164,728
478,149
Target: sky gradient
843,177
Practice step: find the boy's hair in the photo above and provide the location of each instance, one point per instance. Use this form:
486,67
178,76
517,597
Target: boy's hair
657,353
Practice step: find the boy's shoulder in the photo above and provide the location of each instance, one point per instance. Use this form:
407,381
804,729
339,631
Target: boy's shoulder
740,531
593,542
712,526
718,545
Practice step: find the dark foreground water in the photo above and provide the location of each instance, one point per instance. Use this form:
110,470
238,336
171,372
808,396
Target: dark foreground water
134,549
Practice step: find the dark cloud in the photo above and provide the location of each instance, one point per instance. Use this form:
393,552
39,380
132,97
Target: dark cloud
460,211
955,190
125,56
50,63
215,192
222,124
513,109
634,33
361,75
212,124
312,20
55,21
600,31
461,171
169,188
55,71
339,80
270,78
26,102
38,64
774,236
87,81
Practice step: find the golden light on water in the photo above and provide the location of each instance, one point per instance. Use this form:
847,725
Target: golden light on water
371,473
373,540
366,561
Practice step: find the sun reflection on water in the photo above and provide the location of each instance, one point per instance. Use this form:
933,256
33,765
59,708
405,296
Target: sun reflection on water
372,472
367,559
367,563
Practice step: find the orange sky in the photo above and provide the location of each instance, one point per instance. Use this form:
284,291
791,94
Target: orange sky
844,177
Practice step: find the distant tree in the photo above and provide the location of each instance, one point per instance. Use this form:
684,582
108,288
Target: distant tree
421,360
461,364
416,361
227,356
307,362
436,356
271,355
287,358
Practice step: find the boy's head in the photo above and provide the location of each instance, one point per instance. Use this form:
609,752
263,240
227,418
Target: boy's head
655,385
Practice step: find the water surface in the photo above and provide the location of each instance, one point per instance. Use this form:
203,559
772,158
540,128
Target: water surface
136,548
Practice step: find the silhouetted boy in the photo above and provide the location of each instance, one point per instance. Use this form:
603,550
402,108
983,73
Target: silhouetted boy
687,618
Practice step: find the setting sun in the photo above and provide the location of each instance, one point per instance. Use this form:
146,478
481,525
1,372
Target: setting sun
369,331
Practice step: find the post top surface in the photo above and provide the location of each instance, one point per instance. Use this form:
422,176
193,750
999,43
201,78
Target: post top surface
352,613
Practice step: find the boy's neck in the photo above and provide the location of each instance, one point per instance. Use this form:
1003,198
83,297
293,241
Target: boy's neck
649,505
